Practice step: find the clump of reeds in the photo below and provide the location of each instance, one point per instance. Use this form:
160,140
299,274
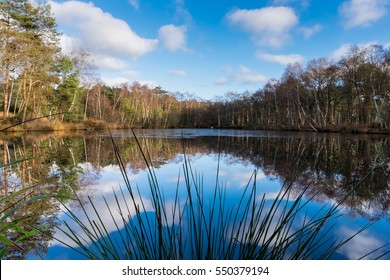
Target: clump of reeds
11,227
200,227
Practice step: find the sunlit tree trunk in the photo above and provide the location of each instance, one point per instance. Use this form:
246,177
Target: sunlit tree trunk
6,52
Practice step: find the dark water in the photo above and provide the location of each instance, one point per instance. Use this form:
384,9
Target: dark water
332,165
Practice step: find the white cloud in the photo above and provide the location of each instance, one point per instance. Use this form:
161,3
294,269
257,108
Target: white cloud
91,28
340,52
362,12
246,76
310,31
173,37
68,43
269,26
115,81
243,75
345,48
121,77
281,59
134,3
108,62
179,73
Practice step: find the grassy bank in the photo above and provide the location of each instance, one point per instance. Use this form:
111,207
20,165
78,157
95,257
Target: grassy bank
44,124
50,123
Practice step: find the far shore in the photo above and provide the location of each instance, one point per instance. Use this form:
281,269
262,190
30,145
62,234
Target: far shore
45,125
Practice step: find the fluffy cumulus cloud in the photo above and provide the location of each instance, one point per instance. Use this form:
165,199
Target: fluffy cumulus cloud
100,33
363,13
243,75
173,37
269,26
281,59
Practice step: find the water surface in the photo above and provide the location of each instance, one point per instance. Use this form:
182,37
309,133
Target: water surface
332,165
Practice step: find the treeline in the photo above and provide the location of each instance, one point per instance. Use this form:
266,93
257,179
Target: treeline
352,93
38,80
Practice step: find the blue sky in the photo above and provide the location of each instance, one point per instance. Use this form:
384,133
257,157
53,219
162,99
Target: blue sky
211,47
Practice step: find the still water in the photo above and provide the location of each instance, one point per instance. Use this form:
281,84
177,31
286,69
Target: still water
352,170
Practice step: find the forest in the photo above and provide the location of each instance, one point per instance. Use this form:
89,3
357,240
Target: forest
38,81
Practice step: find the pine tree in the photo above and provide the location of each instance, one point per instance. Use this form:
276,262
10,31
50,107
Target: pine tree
29,42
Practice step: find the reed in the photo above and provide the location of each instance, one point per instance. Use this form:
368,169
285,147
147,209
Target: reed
11,226
197,227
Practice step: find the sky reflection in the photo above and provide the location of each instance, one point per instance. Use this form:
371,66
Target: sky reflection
233,174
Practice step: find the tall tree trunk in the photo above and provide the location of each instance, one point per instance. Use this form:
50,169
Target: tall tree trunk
6,63
6,91
25,96
86,105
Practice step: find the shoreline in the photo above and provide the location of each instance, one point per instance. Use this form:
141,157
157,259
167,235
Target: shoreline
44,125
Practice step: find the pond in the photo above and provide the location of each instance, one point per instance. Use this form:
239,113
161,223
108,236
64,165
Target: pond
212,191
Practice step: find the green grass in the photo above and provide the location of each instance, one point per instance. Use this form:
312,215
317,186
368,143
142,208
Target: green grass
199,227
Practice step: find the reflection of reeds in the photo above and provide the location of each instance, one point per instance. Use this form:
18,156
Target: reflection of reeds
200,227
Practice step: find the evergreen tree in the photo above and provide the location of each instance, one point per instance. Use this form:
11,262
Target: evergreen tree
29,43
